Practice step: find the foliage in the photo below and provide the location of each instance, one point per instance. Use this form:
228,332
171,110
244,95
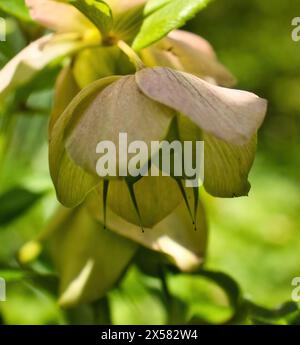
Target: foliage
94,258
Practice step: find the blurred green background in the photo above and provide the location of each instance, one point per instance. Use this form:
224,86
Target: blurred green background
255,240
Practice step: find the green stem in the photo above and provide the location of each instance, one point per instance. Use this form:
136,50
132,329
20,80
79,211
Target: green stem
133,56
164,285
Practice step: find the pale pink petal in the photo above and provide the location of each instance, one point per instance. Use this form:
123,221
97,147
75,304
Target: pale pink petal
190,53
231,115
58,16
25,65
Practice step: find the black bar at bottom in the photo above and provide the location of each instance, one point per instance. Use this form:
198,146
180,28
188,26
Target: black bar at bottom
92,335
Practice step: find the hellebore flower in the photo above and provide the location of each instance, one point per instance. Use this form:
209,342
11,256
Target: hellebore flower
143,106
98,95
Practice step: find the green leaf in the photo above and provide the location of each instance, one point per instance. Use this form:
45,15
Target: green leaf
15,202
16,8
121,7
294,318
46,281
164,17
12,275
154,5
137,301
213,304
89,259
97,11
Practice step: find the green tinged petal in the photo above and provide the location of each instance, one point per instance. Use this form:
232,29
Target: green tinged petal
226,166
156,197
96,63
128,18
174,236
66,89
187,52
89,259
71,182
120,108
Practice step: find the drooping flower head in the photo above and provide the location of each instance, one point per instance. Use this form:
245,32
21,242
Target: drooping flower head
179,91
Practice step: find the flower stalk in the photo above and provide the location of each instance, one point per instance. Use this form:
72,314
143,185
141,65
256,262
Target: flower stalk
133,56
